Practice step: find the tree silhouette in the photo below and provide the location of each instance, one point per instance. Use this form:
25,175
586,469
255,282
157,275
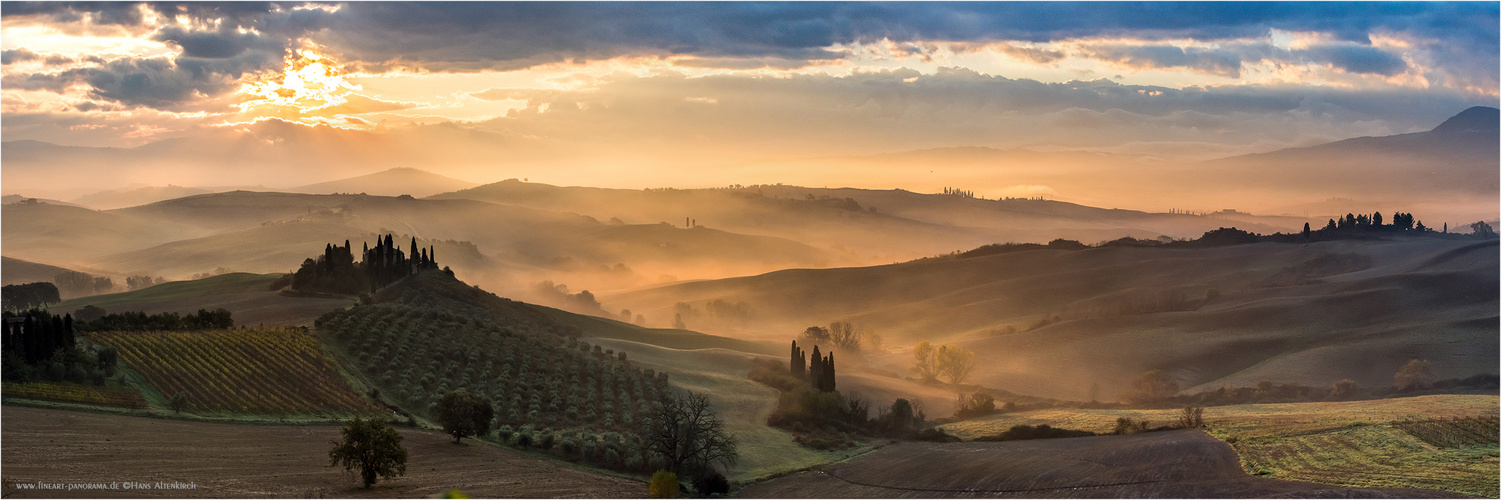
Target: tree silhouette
463,414
689,437
372,448
1151,387
1415,374
925,368
1481,229
955,363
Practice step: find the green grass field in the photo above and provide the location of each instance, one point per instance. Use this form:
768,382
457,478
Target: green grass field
720,374
174,290
1352,443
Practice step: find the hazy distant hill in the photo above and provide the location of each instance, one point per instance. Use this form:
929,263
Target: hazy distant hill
16,198
862,226
393,182
68,235
1052,322
1444,170
129,197
15,271
519,246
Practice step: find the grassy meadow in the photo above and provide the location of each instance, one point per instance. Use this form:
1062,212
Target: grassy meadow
1351,443
174,291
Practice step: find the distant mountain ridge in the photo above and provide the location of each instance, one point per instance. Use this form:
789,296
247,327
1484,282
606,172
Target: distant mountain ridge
1475,119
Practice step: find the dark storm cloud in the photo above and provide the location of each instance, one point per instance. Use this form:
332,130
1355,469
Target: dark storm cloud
508,34
473,36
470,34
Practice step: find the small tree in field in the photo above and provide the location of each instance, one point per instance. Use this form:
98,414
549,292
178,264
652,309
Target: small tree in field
1483,230
463,414
1150,388
925,368
955,363
1192,417
1416,374
1343,389
372,448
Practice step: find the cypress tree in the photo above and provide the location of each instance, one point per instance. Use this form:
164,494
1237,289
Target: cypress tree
828,376
792,364
68,337
815,368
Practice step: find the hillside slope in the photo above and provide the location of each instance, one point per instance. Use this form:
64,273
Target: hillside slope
861,226
393,182
1053,322
16,271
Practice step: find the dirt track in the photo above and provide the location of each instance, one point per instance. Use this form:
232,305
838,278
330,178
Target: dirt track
225,460
1175,464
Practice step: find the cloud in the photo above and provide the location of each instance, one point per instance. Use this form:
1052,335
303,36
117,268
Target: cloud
467,36
1354,58
157,83
890,111
1212,61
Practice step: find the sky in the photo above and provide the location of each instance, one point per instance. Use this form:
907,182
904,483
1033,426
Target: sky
729,82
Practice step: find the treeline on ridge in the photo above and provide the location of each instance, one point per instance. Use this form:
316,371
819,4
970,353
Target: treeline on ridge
1349,227
337,272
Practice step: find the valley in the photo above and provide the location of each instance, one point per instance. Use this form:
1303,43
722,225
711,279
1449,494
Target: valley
756,250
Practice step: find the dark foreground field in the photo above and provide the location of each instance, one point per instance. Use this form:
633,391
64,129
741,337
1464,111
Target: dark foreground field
237,461
1174,464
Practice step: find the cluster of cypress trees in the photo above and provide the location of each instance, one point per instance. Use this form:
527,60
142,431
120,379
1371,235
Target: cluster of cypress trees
819,373
336,271
37,334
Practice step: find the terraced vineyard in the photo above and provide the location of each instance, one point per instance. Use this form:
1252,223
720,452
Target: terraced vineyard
65,392
267,371
1441,442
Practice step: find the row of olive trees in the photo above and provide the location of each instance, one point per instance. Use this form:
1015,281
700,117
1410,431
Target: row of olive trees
685,435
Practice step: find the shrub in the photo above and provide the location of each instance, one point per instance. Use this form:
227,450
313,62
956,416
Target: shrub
711,483
663,485
1343,389
1044,431
1125,425
1192,417
975,405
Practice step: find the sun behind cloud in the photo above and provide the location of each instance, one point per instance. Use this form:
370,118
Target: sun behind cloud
309,83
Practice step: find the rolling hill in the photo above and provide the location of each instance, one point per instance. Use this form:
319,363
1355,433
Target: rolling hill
862,226
74,236
1053,322
132,196
1448,173
16,271
393,182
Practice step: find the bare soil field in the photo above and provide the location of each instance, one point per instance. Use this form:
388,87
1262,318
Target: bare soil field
237,461
1171,464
